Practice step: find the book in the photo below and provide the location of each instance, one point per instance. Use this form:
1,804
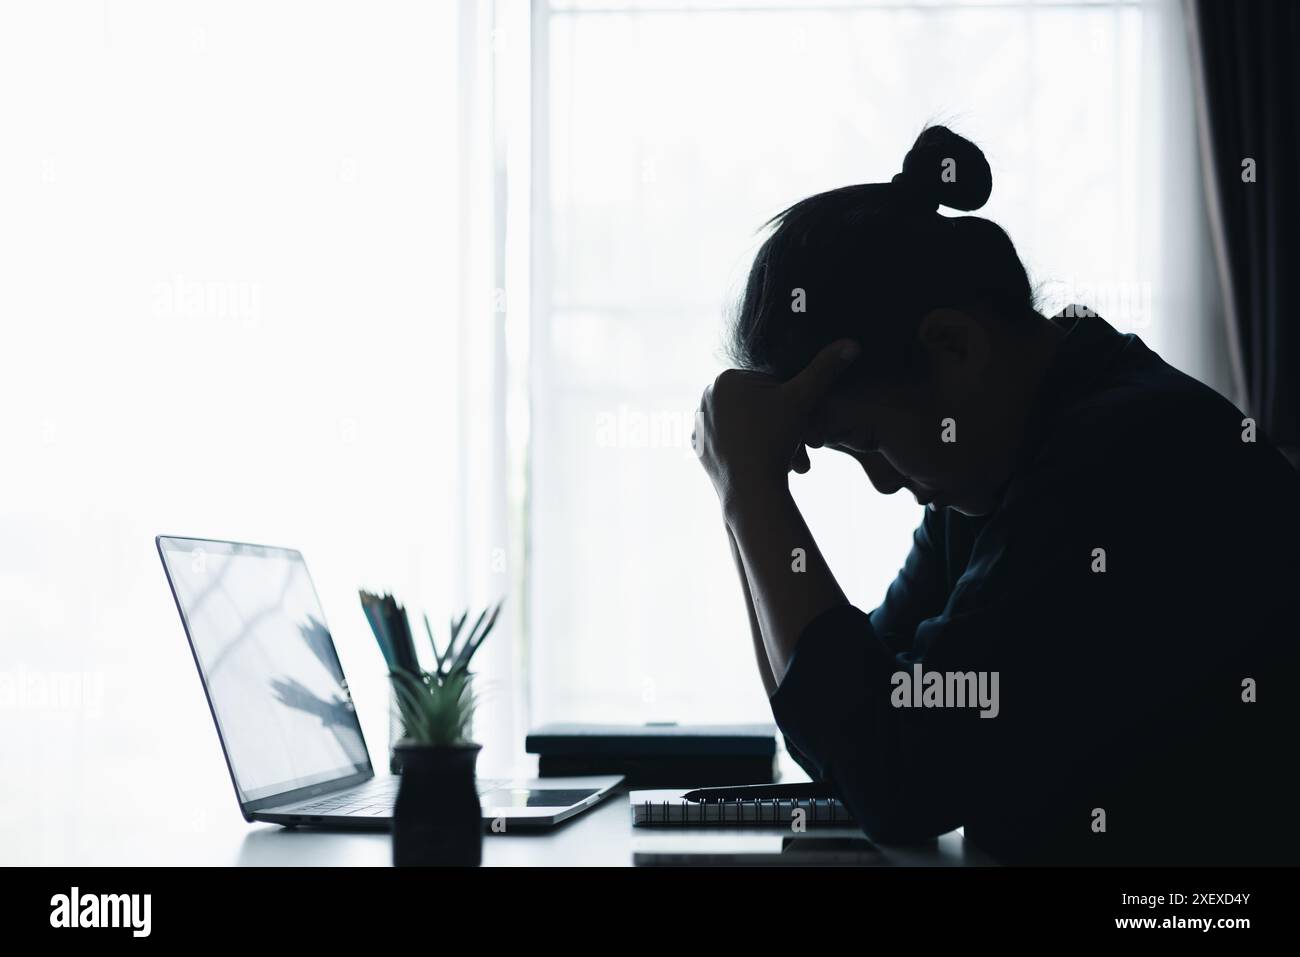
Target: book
759,805
658,740
658,755
652,772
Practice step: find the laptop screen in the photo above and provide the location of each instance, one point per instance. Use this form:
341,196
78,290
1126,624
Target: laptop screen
268,663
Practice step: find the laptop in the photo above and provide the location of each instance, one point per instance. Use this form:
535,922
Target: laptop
282,707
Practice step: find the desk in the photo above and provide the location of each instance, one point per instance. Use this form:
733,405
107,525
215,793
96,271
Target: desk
212,833
144,792
602,837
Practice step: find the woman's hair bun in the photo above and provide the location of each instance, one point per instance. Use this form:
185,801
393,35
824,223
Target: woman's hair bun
944,169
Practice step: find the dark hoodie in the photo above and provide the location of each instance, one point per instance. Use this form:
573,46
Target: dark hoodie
1123,732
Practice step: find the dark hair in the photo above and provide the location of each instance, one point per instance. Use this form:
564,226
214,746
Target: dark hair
872,260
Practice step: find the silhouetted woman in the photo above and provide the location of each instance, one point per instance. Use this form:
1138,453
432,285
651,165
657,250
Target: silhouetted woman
1084,657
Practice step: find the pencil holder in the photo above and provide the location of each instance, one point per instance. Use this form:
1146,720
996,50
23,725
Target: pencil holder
396,732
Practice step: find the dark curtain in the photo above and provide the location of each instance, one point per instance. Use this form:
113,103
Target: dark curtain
1247,56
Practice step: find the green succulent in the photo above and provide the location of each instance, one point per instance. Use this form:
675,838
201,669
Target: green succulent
435,707
436,710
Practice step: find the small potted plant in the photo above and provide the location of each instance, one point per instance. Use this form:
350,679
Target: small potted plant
437,819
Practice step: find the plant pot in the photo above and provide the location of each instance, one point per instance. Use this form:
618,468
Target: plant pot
437,820
397,732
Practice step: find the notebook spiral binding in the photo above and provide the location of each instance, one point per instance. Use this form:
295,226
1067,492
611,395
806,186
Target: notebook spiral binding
817,811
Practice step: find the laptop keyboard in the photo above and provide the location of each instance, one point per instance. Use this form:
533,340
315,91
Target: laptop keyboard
373,799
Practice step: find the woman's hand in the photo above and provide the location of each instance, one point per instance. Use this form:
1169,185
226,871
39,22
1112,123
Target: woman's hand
750,427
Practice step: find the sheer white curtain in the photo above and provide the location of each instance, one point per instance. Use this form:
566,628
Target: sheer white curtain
673,131
430,291
242,281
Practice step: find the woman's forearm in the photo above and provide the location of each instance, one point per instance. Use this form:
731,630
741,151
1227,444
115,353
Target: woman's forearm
788,580
756,632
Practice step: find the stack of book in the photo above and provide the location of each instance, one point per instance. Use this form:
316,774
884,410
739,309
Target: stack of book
658,755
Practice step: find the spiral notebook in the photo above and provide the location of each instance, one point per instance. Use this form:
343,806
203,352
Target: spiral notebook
765,806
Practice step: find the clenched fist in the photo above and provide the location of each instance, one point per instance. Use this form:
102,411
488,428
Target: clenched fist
750,427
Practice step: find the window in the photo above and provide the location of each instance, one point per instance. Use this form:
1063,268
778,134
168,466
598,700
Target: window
430,292
231,275
673,131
